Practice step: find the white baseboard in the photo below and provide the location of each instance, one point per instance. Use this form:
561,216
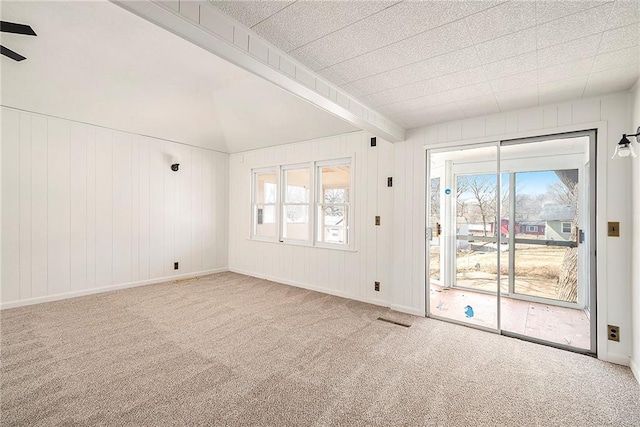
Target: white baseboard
618,359
329,291
83,292
635,369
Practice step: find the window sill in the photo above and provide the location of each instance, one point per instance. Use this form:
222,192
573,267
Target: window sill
302,244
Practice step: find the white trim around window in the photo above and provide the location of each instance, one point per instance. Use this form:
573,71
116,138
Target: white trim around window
299,207
296,224
264,204
334,206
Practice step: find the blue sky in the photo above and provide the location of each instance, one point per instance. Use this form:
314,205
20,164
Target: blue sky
535,182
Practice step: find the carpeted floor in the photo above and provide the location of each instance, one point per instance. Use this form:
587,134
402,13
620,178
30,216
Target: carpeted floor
229,349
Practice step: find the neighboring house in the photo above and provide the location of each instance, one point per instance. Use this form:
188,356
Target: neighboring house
558,220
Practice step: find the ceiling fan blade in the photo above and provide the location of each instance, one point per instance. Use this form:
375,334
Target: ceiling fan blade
11,54
12,27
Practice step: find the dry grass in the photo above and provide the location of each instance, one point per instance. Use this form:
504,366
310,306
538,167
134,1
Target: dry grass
537,269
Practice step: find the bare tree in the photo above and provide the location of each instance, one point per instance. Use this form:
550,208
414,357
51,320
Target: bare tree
483,191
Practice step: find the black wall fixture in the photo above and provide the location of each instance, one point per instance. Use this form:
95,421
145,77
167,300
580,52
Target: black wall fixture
13,28
175,167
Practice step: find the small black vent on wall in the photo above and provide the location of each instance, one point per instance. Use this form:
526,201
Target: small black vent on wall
373,141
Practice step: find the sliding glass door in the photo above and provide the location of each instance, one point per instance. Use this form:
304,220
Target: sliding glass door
462,241
509,238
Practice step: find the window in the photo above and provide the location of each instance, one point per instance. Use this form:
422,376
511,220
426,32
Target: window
333,202
264,202
296,183
285,209
566,227
531,228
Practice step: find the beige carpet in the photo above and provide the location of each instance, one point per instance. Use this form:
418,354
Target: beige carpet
229,349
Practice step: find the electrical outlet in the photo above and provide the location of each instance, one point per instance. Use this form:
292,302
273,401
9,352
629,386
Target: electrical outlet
613,332
175,265
376,286
377,219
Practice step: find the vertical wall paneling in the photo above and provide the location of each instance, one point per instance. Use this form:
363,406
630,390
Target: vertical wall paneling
25,205
90,281
135,209
59,218
122,207
39,206
157,170
88,208
196,205
104,207
10,205
144,203
171,188
78,206
185,210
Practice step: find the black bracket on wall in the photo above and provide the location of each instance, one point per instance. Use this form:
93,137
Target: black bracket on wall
390,181
373,141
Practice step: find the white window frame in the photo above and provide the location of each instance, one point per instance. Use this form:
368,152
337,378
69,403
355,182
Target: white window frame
319,202
283,198
562,224
254,203
531,229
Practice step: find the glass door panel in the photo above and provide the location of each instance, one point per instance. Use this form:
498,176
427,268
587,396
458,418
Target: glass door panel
462,241
545,297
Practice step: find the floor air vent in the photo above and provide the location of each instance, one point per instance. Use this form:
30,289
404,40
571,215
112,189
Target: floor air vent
394,322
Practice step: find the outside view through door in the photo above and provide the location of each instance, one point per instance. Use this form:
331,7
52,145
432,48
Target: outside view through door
541,239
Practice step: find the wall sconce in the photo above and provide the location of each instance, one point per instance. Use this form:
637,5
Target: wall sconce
175,167
624,147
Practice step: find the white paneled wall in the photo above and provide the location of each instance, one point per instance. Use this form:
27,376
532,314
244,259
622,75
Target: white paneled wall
635,241
346,273
610,114
86,208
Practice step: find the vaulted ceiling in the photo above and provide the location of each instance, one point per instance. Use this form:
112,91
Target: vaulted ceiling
423,62
95,62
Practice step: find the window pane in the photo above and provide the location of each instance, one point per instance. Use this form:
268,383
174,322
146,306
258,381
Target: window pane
265,187
332,224
335,182
265,221
296,182
295,224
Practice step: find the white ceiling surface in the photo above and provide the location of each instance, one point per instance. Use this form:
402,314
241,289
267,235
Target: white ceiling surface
97,63
424,62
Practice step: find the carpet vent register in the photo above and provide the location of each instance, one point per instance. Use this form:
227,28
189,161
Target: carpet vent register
404,325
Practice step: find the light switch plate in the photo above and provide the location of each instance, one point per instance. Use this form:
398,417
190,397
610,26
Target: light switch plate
613,229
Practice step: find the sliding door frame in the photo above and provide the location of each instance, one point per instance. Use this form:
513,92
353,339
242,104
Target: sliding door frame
591,176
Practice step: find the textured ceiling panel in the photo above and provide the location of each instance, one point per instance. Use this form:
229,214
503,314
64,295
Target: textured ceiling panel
591,21
515,81
408,58
615,59
400,22
445,39
304,22
568,70
550,10
516,65
519,98
250,12
619,38
503,19
624,13
508,46
573,50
